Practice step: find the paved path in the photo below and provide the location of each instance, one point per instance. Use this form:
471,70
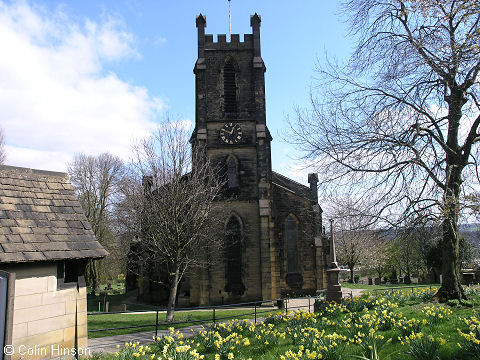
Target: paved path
352,292
109,344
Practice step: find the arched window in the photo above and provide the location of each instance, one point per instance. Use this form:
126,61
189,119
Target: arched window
233,247
291,237
229,87
232,173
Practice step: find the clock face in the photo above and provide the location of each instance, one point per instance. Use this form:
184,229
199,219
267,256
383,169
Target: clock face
231,133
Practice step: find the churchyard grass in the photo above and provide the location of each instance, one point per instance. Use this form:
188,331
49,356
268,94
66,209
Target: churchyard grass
374,327
105,321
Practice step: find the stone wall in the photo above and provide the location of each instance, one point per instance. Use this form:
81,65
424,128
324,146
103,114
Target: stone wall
287,202
45,315
207,285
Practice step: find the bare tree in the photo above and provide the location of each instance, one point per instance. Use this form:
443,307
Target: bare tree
353,238
179,208
399,123
96,180
405,254
377,255
351,249
127,222
2,147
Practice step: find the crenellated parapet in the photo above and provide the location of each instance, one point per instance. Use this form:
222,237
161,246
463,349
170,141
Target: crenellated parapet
223,44
250,41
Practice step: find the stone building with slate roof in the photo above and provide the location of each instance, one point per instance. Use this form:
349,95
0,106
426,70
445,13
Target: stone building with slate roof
45,242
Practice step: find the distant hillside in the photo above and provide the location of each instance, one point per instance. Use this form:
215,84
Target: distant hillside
471,232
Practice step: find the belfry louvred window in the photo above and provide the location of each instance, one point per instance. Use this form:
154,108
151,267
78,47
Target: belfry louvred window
229,87
232,173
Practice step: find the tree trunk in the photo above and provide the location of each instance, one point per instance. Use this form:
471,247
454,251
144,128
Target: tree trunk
172,297
92,276
351,275
408,263
451,287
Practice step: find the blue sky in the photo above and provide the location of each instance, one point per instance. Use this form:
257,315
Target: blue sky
93,76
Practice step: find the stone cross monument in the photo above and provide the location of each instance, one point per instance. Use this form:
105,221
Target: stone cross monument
334,289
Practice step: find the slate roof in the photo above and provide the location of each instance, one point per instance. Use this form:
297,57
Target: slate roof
291,185
41,218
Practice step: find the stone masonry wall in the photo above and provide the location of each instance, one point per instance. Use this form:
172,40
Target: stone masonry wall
286,203
44,316
207,286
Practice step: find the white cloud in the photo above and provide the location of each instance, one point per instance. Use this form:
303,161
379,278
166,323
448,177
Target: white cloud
159,41
57,96
56,160
297,169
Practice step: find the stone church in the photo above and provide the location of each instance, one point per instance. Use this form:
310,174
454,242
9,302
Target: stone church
272,225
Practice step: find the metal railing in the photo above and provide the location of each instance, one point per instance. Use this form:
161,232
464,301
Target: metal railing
258,309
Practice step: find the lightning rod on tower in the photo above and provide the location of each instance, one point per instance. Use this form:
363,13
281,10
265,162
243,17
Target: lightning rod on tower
229,23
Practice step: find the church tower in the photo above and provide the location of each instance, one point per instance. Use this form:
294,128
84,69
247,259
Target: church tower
231,123
230,105
271,224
